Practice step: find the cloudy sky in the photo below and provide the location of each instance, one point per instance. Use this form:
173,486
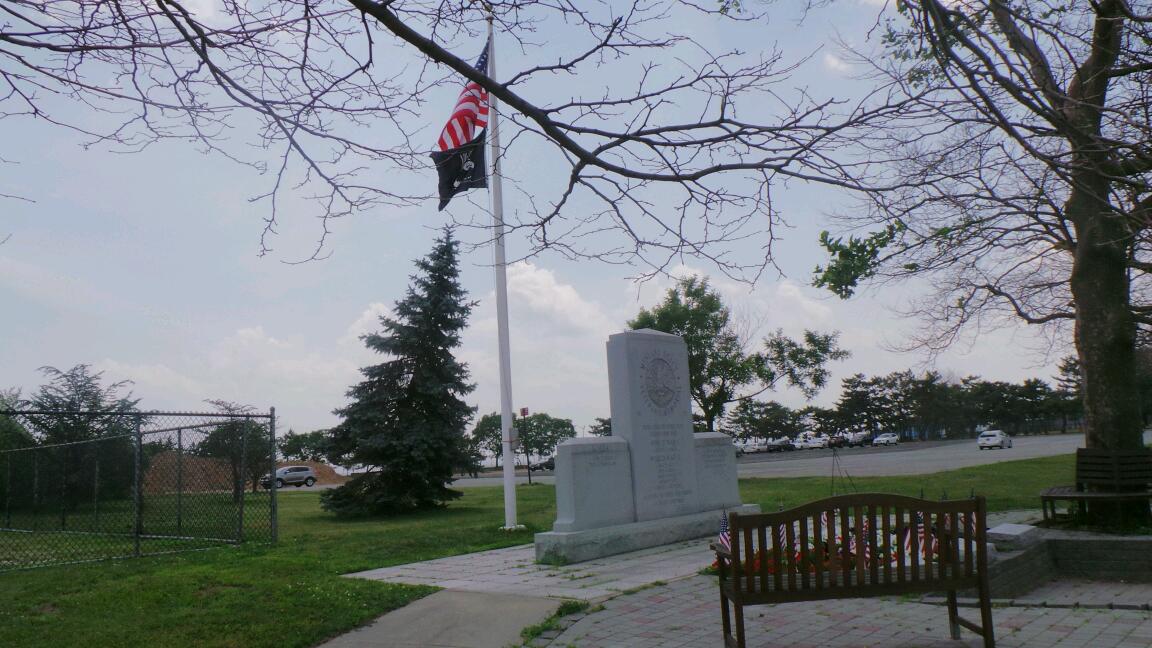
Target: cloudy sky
146,266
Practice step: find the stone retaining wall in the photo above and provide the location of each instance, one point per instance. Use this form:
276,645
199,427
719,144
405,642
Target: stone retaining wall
1075,555
1103,558
1018,572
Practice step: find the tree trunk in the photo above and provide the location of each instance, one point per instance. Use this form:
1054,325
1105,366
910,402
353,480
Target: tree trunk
1105,329
1105,337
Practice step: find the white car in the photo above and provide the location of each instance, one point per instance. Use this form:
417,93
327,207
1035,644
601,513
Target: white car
888,438
737,447
993,439
746,446
811,442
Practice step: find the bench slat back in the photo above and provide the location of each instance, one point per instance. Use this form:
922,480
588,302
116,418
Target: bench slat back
1120,470
858,542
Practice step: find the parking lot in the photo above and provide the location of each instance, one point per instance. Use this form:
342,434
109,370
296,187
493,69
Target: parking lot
909,458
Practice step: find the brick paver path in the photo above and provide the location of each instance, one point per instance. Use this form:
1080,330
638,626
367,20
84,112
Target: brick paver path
686,614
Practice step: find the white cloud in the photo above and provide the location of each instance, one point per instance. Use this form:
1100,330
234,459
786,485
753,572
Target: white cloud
557,346
154,379
203,9
367,322
55,290
303,381
836,64
537,291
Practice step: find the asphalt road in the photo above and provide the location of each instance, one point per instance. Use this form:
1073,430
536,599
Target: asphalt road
924,457
465,482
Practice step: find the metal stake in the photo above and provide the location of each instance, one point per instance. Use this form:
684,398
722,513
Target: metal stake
243,483
8,492
35,488
63,488
96,494
137,499
180,482
273,512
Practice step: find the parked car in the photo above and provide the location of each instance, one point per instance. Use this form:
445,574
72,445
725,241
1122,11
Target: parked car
739,447
811,441
291,475
748,446
857,438
756,445
783,444
888,438
993,439
547,464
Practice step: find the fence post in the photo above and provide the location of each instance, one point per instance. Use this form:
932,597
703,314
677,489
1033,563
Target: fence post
8,493
35,489
137,499
96,492
272,474
243,481
63,487
180,482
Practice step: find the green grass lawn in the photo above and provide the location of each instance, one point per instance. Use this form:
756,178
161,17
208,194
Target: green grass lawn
292,594
92,531
1007,486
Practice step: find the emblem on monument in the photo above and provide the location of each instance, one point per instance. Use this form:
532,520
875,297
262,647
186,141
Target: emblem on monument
660,383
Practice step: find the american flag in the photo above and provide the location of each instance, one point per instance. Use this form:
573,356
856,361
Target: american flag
471,111
919,530
781,536
723,539
860,540
828,521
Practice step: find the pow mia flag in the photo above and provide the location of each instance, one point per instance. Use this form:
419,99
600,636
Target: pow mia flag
460,158
461,169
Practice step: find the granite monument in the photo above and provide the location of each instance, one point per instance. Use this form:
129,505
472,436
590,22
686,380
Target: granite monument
652,481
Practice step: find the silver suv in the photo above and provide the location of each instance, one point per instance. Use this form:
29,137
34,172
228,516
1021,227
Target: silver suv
295,475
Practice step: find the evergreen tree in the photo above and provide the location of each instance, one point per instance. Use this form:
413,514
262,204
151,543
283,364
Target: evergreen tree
406,421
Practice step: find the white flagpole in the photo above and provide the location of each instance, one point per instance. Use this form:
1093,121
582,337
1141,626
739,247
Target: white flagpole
507,431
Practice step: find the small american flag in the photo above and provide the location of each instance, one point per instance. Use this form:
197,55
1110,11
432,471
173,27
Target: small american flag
828,521
723,539
860,541
470,113
921,539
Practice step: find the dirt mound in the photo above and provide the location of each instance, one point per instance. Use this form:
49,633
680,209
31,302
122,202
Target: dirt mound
325,474
167,471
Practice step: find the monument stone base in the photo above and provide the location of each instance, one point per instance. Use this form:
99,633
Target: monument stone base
563,548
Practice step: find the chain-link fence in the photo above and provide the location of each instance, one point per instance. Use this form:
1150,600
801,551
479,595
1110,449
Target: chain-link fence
82,486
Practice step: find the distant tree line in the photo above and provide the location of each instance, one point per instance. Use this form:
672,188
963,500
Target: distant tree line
927,406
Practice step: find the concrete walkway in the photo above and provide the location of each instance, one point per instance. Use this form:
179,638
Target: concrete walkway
451,619
655,598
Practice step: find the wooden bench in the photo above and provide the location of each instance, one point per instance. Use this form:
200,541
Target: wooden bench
1103,476
856,546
